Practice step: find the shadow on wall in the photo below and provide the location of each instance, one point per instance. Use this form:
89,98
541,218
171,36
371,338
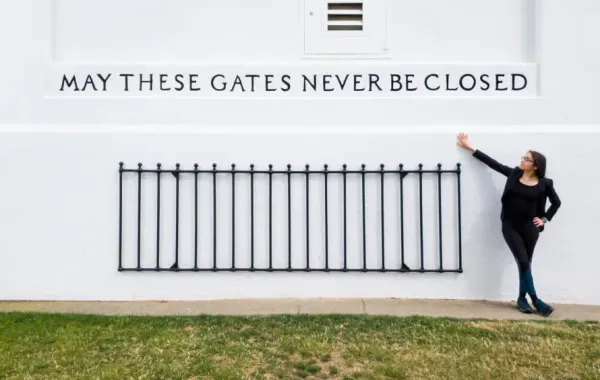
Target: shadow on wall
490,263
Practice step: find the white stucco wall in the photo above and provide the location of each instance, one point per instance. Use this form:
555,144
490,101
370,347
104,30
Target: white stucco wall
59,152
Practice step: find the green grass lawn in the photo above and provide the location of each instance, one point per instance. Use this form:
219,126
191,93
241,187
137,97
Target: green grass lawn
51,346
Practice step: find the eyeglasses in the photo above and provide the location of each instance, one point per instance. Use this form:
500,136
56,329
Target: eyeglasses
527,159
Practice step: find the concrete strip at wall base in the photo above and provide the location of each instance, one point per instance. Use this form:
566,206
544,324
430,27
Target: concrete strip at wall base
356,306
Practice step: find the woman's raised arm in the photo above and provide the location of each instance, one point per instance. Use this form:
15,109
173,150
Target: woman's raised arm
464,142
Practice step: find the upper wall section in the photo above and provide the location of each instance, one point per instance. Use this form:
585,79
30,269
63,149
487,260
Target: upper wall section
529,61
273,30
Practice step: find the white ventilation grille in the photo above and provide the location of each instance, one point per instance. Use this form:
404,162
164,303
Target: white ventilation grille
345,26
345,15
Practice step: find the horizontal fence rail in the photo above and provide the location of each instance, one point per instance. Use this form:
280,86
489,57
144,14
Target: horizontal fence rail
246,182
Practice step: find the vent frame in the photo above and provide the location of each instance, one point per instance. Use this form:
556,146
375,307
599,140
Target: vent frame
327,31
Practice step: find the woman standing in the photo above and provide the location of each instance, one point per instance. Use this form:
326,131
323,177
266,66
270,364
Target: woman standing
524,214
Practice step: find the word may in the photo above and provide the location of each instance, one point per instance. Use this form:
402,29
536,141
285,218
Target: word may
89,81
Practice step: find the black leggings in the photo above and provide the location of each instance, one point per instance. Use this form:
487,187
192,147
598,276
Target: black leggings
521,239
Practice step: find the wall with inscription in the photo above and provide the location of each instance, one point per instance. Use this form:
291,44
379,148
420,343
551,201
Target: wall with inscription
88,84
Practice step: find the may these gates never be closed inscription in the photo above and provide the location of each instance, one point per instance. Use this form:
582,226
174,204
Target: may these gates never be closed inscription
296,81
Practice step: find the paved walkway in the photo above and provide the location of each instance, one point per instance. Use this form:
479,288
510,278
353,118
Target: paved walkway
395,307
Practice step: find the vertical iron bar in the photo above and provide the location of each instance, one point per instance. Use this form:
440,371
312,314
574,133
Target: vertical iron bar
460,268
421,215
403,265
120,216
214,173
233,217
252,217
364,220
289,179
307,220
344,174
195,216
382,221
326,223
440,213
158,216
177,217
139,223
270,217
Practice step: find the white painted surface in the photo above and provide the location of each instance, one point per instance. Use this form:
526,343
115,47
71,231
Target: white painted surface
58,192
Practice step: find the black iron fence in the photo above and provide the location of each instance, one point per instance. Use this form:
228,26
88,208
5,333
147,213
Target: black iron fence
198,175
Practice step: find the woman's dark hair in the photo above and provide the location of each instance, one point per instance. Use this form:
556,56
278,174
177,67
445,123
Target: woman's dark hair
539,161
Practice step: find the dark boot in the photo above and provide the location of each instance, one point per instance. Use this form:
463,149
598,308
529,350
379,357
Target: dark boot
543,308
523,306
